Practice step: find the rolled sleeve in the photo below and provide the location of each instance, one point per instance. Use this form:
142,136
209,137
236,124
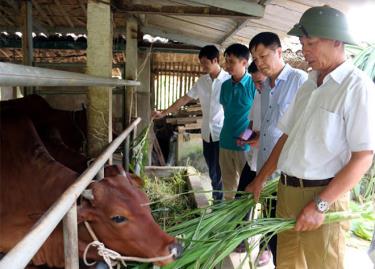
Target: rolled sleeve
360,117
193,92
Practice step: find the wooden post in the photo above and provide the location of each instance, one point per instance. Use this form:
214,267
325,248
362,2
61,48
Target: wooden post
99,62
143,91
180,141
71,239
131,55
27,37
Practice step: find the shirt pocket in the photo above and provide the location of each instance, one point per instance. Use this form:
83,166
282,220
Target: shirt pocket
277,114
327,130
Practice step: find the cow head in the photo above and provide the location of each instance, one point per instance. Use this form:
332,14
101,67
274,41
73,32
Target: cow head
115,208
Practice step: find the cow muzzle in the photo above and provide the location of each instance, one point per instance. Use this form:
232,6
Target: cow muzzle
176,249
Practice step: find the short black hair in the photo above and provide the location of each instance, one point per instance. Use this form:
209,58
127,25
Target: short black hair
268,39
252,68
238,50
210,52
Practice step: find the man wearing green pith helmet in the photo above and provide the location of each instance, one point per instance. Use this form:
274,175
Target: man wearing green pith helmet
327,145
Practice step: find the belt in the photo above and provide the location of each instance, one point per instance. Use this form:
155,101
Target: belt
300,182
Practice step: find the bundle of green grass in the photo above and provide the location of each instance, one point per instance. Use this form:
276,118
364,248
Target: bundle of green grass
211,234
217,230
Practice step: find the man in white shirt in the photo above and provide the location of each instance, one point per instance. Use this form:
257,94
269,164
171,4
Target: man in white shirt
279,90
327,144
207,89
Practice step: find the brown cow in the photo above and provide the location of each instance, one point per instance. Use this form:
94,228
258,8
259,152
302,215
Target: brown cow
31,180
63,132
71,125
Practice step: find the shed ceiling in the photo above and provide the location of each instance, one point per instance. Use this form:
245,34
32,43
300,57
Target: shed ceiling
193,22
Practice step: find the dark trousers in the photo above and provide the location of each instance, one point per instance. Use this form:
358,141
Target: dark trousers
272,244
211,155
247,176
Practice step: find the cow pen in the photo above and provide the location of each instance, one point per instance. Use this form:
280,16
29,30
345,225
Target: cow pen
65,207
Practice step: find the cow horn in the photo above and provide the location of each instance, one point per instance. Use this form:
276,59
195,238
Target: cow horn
87,194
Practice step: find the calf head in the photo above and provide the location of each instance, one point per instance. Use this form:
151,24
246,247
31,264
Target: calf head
115,208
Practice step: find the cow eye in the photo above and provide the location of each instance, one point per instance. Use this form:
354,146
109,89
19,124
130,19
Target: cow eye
119,219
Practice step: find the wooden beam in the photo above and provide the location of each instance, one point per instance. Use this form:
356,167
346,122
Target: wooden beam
42,13
63,11
175,35
240,6
6,19
239,26
38,26
179,10
265,2
83,7
27,39
131,72
4,53
13,4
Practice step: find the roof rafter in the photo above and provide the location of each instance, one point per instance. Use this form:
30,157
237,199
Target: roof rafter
63,11
83,7
179,10
174,35
240,6
239,26
42,13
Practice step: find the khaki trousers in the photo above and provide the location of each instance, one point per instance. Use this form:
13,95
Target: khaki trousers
320,249
231,164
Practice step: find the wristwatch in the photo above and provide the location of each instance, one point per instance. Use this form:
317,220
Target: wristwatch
321,205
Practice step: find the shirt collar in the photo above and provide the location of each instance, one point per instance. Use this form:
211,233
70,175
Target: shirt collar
220,76
338,75
284,73
282,76
243,80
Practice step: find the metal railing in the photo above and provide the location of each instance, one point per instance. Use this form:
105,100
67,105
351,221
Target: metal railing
65,207
28,76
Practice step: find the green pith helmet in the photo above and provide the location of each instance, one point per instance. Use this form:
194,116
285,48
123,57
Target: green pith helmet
324,22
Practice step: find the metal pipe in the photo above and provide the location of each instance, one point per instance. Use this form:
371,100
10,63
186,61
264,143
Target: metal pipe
21,75
20,255
71,238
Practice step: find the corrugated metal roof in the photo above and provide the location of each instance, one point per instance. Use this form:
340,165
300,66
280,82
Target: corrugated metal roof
226,24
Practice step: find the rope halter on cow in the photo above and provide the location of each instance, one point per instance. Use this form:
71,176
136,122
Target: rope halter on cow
113,258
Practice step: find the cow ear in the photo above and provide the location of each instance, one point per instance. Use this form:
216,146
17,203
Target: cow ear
113,170
135,180
86,212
